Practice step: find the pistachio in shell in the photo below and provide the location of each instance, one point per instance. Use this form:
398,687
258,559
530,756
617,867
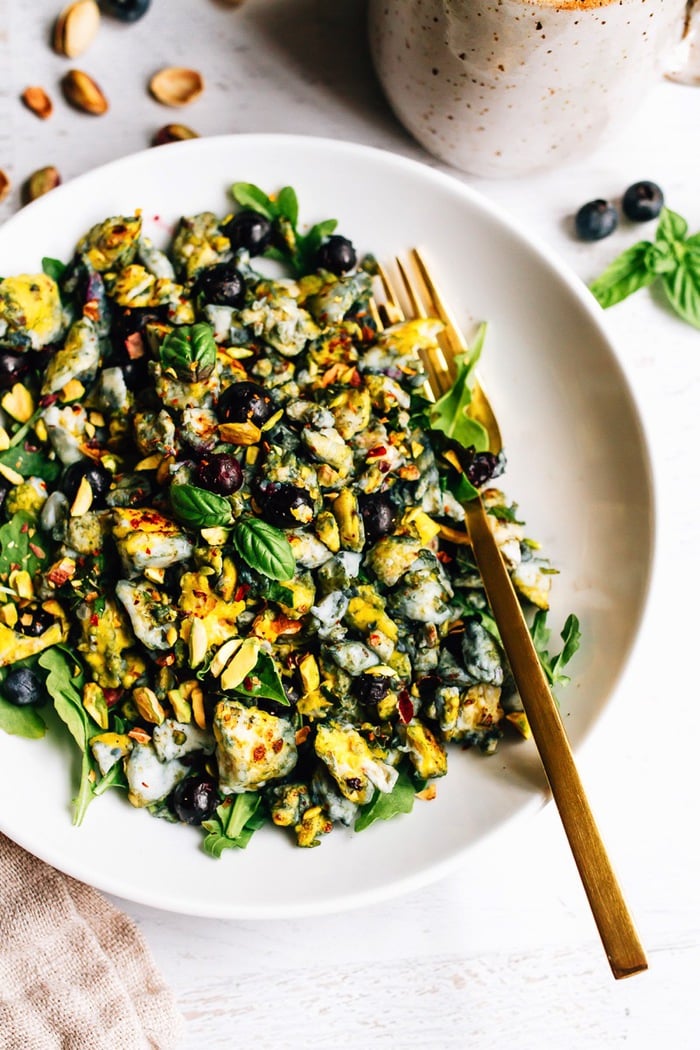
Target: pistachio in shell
76,28
5,185
176,86
83,93
40,182
36,99
173,133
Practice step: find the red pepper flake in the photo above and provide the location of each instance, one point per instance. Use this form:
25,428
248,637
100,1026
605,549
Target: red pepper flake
384,467
405,707
37,550
94,620
444,557
259,753
301,735
134,346
165,659
24,528
48,399
241,592
112,696
277,746
378,450
355,378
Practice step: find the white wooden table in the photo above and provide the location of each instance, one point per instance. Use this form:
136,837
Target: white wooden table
502,954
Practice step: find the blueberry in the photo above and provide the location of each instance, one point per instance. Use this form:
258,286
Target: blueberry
97,476
248,230
12,368
221,285
285,505
336,254
371,688
378,515
482,468
245,403
126,10
596,220
194,799
33,621
22,687
642,201
219,472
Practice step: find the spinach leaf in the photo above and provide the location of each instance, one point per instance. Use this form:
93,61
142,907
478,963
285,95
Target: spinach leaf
31,463
386,805
449,413
198,508
265,548
21,721
20,547
251,196
234,823
53,268
64,683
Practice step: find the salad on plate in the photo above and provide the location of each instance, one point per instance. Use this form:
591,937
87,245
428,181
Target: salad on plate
232,558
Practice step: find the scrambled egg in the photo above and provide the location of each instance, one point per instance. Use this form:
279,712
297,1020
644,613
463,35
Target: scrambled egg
31,314
252,746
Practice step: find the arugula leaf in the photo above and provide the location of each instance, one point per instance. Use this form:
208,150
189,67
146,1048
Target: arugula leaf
234,824
264,681
386,805
190,351
250,196
673,258
199,508
449,413
288,205
571,637
21,721
265,548
63,683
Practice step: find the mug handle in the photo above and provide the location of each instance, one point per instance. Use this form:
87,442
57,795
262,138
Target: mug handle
684,65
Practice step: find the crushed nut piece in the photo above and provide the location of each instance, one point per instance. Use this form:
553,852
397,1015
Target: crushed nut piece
36,99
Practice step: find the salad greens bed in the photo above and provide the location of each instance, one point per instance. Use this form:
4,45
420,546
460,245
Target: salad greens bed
232,554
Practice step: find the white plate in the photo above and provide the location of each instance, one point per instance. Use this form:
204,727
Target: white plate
578,467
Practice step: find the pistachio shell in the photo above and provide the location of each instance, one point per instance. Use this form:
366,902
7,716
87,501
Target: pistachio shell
176,86
173,133
36,99
76,28
41,181
5,185
83,93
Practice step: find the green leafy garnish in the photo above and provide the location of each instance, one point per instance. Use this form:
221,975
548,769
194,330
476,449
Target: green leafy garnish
53,268
20,721
198,508
19,545
31,464
571,637
265,548
386,805
64,683
290,244
449,413
234,824
264,681
672,258
190,351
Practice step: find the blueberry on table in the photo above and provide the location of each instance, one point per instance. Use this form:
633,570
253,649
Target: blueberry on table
219,472
194,799
245,403
97,476
595,220
126,10
221,285
336,254
248,230
642,201
22,687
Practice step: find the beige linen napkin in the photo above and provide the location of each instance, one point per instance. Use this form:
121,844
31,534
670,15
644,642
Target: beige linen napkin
75,973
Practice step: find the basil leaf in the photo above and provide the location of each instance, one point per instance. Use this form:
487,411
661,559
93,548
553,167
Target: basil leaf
199,508
288,205
265,548
190,351
53,268
264,681
625,275
250,196
21,721
386,805
682,287
660,258
63,686
672,227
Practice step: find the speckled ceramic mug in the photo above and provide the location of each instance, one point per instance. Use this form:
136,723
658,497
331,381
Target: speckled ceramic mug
508,87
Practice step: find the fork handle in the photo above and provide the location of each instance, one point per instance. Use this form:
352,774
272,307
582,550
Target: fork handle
615,926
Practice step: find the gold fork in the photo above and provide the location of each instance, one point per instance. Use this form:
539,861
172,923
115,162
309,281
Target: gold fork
615,926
